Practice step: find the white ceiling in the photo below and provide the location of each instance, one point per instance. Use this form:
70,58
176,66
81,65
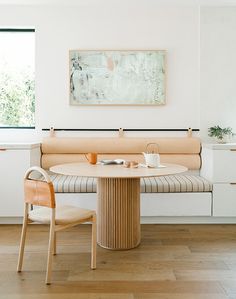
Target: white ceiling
119,2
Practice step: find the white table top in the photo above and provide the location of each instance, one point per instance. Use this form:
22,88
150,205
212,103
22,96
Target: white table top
115,171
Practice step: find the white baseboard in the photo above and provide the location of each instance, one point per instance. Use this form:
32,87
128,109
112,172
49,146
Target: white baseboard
155,220
187,220
11,220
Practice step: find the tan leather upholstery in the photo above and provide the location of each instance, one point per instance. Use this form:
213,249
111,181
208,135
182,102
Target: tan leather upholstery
39,193
190,161
184,151
111,145
64,215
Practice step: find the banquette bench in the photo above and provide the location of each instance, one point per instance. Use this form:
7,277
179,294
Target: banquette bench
186,194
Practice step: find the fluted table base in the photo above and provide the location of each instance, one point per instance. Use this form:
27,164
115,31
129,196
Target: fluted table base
118,216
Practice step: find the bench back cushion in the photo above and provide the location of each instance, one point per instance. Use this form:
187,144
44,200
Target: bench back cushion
179,150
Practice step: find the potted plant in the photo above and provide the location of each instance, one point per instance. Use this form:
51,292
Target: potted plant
220,134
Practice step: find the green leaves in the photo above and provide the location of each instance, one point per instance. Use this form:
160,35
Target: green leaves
17,98
219,132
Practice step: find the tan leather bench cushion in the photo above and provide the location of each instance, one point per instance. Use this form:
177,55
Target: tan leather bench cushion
189,161
180,145
178,150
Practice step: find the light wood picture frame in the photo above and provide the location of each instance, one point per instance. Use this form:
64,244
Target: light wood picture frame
117,77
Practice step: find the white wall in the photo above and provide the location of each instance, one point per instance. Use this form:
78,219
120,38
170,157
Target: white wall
61,28
218,67
145,25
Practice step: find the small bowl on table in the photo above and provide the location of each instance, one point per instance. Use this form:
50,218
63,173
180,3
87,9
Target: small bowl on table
130,164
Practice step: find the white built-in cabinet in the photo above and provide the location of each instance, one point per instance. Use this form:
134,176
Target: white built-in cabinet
15,159
219,166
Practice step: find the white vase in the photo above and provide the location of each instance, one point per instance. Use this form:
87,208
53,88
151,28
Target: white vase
225,139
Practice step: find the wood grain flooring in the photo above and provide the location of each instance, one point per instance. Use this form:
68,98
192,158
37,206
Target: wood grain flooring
172,262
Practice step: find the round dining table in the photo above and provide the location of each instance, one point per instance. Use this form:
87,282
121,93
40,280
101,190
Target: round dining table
118,199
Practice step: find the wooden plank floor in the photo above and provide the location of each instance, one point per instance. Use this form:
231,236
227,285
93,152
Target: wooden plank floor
172,262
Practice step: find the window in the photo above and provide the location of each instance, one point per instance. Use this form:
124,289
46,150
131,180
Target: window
17,84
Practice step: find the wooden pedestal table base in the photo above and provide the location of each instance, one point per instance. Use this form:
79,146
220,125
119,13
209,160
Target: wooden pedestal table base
118,217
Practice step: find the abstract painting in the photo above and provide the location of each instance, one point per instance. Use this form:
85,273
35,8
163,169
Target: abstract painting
117,77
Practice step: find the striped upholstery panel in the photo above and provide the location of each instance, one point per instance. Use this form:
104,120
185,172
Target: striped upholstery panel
175,183
164,184
73,184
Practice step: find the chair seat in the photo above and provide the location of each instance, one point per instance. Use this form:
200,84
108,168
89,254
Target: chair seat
64,215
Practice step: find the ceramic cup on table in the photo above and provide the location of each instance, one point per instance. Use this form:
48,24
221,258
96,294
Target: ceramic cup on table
92,158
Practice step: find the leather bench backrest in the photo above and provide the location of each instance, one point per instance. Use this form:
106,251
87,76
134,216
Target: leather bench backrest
179,150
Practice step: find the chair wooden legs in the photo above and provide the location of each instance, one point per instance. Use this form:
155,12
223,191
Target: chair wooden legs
50,248
55,244
52,243
22,241
94,242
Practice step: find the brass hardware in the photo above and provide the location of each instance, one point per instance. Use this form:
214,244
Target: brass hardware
52,132
233,149
232,183
121,132
2,149
190,132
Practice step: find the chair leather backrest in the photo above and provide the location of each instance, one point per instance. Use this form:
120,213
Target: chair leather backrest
39,193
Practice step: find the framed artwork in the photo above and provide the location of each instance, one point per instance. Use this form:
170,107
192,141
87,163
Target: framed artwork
117,77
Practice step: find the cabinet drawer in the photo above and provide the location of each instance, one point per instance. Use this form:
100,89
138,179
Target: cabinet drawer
176,204
13,164
224,170
15,159
224,200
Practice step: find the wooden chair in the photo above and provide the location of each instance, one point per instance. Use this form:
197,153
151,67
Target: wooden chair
41,193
